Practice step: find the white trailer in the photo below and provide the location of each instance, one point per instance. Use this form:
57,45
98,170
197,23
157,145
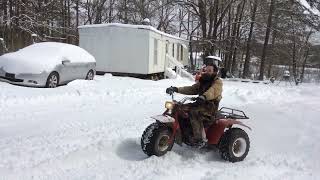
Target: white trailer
134,50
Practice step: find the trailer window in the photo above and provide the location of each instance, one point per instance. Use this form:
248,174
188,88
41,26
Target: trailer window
178,52
181,53
155,52
167,47
172,50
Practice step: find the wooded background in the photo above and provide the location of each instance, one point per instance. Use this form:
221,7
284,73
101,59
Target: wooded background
245,33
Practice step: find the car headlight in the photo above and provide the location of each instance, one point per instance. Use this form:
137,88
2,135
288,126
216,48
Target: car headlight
169,105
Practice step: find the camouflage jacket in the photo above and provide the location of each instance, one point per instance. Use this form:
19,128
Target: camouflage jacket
213,92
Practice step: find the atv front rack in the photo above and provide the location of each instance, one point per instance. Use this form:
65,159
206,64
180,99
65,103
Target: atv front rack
225,112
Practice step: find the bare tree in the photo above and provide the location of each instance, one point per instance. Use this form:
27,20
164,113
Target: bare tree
247,57
266,41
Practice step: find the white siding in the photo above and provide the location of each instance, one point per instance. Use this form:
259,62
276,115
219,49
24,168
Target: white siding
130,50
117,49
155,51
158,66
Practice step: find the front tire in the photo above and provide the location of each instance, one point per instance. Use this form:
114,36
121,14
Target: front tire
52,80
234,145
90,75
155,139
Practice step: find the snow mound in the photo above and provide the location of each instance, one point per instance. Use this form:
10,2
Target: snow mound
171,74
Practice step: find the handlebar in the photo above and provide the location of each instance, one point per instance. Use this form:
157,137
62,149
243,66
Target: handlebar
183,100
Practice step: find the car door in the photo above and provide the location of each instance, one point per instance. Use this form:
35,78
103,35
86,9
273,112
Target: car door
80,70
68,71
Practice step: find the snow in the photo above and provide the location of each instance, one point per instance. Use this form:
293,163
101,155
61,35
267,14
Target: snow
146,20
214,57
92,129
315,38
314,10
169,73
132,26
41,57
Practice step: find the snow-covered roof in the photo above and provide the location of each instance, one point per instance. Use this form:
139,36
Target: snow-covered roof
215,57
43,56
184,46
132,26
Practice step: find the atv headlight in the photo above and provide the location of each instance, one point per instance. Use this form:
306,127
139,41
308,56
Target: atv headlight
169,105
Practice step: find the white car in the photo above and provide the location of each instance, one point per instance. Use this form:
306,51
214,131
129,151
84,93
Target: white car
47,64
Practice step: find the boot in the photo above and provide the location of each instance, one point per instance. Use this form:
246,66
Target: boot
198,143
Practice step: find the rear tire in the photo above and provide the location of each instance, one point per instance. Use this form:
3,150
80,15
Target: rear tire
90,75
155,139
234,145
52,80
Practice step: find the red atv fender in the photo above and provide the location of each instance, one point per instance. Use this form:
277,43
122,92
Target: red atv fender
215,131
170,122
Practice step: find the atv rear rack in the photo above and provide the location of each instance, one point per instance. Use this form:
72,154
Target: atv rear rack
225,112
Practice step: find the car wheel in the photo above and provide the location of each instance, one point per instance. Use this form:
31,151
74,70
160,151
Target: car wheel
90,75
53,80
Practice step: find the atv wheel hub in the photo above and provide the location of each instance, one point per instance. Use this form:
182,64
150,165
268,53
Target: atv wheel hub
163,143
239,147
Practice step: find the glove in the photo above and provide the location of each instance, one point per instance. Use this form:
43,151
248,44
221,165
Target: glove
201,98
171,90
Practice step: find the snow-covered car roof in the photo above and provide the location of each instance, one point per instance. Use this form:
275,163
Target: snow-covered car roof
44,56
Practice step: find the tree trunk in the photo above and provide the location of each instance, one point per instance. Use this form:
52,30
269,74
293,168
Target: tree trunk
110,11
190,51
126,21
304,64
235,34
234,60
228,50
203,18
271,58
5,17
190,40
305,56
247,60
11,26
265,45
215,25
294,60
77,14
69,31
89,12
181,22
219,20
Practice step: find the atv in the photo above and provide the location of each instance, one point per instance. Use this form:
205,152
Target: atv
173,126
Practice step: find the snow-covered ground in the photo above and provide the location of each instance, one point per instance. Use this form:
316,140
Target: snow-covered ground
91,130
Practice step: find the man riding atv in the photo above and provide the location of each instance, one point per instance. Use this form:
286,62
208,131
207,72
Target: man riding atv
209,89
